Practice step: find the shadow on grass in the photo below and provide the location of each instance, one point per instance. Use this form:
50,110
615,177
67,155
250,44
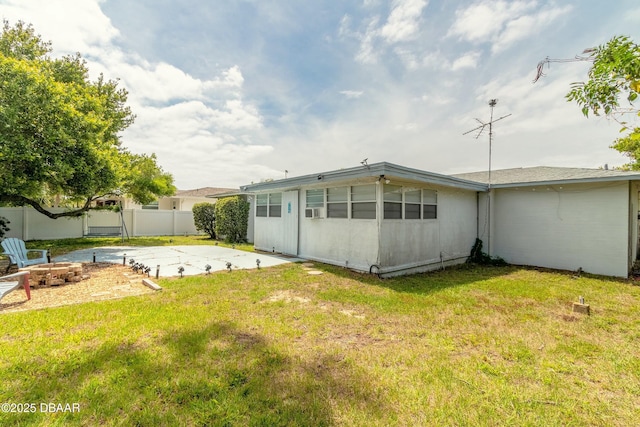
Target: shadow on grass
424,283
212,375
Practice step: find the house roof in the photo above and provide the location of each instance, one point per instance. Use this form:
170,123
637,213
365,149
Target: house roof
366,172
203,192
547,175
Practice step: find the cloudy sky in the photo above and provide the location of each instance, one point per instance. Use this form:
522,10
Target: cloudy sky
232,92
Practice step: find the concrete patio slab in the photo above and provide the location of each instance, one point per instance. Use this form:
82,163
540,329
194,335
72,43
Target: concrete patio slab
169,258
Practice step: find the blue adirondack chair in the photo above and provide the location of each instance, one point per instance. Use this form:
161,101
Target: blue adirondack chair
18,279
19,255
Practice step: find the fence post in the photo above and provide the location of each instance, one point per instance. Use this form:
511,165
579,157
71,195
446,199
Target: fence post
174,222
85,224
25,223
134,221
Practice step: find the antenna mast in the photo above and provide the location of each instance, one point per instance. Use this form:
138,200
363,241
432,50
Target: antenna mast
480,129
483,125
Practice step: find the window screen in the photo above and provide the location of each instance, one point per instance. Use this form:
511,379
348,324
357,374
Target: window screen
315,198
412,201
429,204
262,202
275,205
363,202
392,202
337,202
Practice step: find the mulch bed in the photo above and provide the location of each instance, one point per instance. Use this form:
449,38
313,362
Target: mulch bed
106,281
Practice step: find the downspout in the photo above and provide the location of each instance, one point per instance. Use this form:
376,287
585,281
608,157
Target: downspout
633,226
379,214
477,214
300,215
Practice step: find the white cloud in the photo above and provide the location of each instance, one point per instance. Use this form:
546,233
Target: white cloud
402,25
632,15
91,29
503,22
403,22
351,94
408,58
468,60
485,19
524,26
345,24
367,53
436,99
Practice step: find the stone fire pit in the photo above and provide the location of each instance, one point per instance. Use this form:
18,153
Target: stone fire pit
54,274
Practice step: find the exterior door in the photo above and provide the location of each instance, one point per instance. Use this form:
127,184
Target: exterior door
290,222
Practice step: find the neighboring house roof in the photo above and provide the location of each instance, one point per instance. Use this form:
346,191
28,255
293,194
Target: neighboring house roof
375,170
229,193
547,175
203,192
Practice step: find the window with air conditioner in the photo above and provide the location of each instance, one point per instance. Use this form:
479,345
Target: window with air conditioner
314,204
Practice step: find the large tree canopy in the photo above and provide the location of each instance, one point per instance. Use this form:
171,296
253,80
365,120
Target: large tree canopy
612,90
59,131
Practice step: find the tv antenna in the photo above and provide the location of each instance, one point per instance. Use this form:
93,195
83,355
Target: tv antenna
480,129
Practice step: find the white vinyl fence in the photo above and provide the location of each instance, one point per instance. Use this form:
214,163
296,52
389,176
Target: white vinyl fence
28,224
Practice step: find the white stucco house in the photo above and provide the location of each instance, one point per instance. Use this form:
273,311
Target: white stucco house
389,219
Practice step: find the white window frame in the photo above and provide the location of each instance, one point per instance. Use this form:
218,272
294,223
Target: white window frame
266,206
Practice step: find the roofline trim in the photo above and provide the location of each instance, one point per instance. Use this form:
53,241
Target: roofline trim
567,181
373,170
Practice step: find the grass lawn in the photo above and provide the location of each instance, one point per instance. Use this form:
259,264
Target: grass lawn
279,346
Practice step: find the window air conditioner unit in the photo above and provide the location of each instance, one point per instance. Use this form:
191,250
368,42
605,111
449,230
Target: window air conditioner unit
313,213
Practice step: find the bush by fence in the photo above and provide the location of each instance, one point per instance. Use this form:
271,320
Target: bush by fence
232,218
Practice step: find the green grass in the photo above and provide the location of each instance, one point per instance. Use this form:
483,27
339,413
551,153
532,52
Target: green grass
277,346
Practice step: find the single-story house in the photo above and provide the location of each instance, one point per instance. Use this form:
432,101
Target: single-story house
389,219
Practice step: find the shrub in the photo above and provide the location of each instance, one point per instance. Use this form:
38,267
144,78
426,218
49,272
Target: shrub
204,218
232,214
3,226
479,257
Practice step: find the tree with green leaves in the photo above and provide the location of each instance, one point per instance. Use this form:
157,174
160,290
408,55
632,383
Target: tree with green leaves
232,218
204,218
3,226
59,132
612,90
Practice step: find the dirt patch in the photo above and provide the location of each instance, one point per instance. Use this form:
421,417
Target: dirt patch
105,281
286,296
352,313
